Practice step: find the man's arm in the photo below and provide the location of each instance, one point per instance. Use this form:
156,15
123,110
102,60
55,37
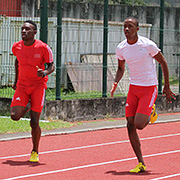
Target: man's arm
167,91
49,70
119,75
16,74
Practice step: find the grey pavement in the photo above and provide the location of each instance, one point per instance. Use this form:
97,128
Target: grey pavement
90,126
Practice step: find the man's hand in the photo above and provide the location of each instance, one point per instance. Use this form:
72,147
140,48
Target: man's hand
169,94
114,86
40,72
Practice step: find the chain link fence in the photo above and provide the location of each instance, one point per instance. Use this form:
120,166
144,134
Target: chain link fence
82,42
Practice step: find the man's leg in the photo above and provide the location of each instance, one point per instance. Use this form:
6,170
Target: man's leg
26,109
36,130
133,123
17,112
36,135
19,104
134,139
37,102
141,121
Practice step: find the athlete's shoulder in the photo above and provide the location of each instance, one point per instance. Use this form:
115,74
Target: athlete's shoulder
42,45
145,40
122,44
150,45
18,44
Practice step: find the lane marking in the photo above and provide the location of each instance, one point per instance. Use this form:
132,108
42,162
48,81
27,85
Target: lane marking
91,146
165,177
89,165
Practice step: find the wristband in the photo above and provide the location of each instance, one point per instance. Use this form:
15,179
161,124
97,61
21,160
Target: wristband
44,74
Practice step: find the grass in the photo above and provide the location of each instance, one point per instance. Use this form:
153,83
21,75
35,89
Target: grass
172,80
8,92
10,126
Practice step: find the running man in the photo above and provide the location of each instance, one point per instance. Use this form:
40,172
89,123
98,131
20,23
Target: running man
139,54
30,80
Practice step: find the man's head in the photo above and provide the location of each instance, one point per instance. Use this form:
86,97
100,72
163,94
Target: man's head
131,27
28,30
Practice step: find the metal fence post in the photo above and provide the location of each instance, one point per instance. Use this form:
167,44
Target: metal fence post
44,21
161,44
58,58
105,45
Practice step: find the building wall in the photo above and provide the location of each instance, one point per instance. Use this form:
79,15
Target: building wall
10,7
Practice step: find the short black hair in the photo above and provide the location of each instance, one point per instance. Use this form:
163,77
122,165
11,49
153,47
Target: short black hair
31,22
137,22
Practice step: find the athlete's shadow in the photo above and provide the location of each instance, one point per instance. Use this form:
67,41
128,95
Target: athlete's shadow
23,163
132,174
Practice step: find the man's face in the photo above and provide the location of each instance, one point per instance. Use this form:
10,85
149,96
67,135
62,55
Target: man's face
27,32
130,28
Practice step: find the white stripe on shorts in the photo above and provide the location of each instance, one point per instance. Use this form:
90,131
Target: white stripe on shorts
153,97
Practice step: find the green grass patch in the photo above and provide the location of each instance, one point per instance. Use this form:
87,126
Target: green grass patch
8,92
111,120
10,126
172,80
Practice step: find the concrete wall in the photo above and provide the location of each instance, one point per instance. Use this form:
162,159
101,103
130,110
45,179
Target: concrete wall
91,109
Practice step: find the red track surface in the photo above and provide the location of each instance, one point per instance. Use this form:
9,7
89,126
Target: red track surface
96,155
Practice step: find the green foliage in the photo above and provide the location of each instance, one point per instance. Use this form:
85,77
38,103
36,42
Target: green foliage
8,92
172,80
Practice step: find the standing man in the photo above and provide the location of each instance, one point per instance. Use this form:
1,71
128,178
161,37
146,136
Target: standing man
139,54
31,80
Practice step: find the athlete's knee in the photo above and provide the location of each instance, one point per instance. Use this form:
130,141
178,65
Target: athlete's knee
15,116
139,126
136,125
34,123
140,121
16,112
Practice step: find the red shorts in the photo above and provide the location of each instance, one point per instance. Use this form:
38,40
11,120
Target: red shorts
24,94
140,100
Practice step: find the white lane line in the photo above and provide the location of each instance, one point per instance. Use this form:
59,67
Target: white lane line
89,165
165,177
91,146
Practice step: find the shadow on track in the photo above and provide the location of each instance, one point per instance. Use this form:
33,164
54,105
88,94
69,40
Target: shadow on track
128,173
22,163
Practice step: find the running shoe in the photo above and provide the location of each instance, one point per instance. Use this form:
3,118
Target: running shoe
34,157
153,116
139,168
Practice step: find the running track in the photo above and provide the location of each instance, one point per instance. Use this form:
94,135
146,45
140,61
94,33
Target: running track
96,155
